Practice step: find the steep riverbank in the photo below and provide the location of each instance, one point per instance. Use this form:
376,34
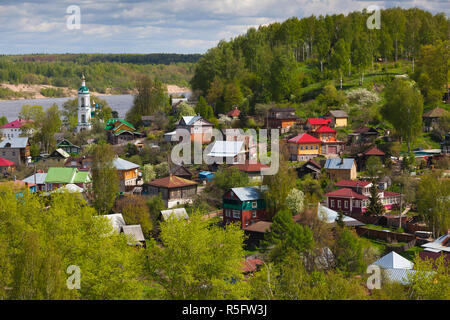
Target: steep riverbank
34,91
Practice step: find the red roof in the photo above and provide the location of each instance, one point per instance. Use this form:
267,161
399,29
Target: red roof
320,121
304,138
325,129
172,182
251,265
352,183
234,113
390,194
250,167
6,163
374,151
346,193
14,124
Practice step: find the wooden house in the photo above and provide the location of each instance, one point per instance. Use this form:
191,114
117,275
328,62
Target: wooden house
198,128
341,168
16,150
310,167
304,147
68,147
432,117
182,172
281,118
128,173
245,205
174,190
338,118
120,131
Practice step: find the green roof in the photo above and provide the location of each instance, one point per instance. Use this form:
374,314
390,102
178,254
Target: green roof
66,175
110,123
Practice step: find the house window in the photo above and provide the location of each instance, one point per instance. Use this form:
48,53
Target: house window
345,204
227,212
236,214
254,205
332,203
317,147
339,203
254,214
301,148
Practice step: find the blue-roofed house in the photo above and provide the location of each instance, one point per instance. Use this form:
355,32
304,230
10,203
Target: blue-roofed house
199,128
245,205
16,150
341,168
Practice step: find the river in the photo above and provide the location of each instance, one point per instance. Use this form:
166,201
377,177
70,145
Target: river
11,108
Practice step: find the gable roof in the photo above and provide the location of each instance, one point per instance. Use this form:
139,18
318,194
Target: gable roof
63,153
122,164
65,142
247,193
189,120
172,182
374,151
338,113
304,138
330,216
352,183
180,170
365,130
325,129
111,124
318,121
226,148
346,193
67,175
179,213
394,261
339,164
15,124
235,112
40,178
136,231
20,142
116,220
435,113
250,167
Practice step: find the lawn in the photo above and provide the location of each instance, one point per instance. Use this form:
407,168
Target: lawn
410,254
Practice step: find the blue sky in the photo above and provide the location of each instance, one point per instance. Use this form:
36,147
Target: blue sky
175,26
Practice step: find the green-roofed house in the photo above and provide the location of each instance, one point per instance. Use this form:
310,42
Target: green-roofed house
120,131
59,177
68,146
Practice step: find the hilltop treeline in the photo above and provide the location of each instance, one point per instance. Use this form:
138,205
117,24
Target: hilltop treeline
116,72
276,62
152,58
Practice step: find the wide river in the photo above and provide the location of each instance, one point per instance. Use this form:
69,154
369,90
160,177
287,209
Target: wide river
11,108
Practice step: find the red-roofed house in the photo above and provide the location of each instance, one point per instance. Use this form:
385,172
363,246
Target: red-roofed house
252,265
14,128
174,190
6,165
252,169
330,143
304,147
361,187
313,124
348,200
234,113
372,152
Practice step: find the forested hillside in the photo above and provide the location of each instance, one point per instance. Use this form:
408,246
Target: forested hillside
117,72
293,61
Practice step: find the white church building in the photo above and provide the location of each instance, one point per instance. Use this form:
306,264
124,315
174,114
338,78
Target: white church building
84,107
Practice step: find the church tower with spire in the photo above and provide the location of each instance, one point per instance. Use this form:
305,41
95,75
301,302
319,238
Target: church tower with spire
84,107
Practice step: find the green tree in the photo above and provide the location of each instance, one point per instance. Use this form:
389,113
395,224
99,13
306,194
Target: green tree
148,173
295,201
403,109
374,167
135,211
375,206
197,260
204,109
151,98
105,181
348,252
433,202
339,58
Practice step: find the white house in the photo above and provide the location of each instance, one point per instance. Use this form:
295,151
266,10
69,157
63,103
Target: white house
14,129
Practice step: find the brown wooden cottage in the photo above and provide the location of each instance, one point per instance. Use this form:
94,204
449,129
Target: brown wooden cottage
174,190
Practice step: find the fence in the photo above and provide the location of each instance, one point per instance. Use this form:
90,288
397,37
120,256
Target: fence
384,235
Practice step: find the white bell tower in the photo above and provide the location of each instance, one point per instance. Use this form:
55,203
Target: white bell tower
84,107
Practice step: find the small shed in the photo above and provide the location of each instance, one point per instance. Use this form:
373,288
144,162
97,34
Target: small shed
134,230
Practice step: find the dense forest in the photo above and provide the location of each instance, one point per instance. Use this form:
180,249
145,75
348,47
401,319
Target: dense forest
291,62
116,72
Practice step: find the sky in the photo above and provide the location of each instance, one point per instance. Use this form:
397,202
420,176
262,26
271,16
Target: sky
157,26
